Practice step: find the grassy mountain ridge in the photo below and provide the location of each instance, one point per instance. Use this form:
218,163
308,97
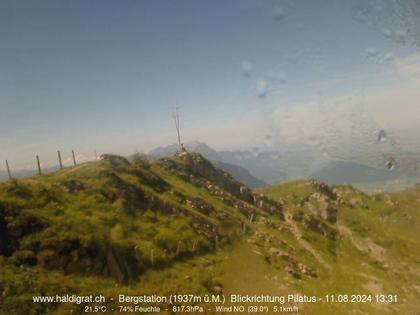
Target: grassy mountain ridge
118,219
237,171
180,224
369,242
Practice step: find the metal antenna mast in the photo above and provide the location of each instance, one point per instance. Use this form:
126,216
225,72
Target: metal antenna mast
175,116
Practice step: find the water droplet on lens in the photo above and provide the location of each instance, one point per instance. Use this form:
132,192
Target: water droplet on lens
278,13
388,57
387,33
371,52
279,77
382,136
400,36
262,88
267,141
391,163
246,68
254,152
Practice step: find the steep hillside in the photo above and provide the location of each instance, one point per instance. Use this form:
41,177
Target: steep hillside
181,225
362,243
114,220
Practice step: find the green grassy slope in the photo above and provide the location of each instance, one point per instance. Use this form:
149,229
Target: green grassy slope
370,245
180,225
116,221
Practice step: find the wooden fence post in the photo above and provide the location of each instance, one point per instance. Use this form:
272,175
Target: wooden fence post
74,158
8,170
59,159
39,165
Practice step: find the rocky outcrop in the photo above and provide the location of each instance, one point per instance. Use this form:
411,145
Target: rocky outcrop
201,172
114,159
323,188
200,205
196,164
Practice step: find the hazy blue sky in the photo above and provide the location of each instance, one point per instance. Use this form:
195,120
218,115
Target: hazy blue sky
105,75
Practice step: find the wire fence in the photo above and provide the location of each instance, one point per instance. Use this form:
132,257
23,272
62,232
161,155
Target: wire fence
39,169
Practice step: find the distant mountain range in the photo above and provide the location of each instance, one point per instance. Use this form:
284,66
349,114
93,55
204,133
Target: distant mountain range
255,167
262,166
349,172
241,174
